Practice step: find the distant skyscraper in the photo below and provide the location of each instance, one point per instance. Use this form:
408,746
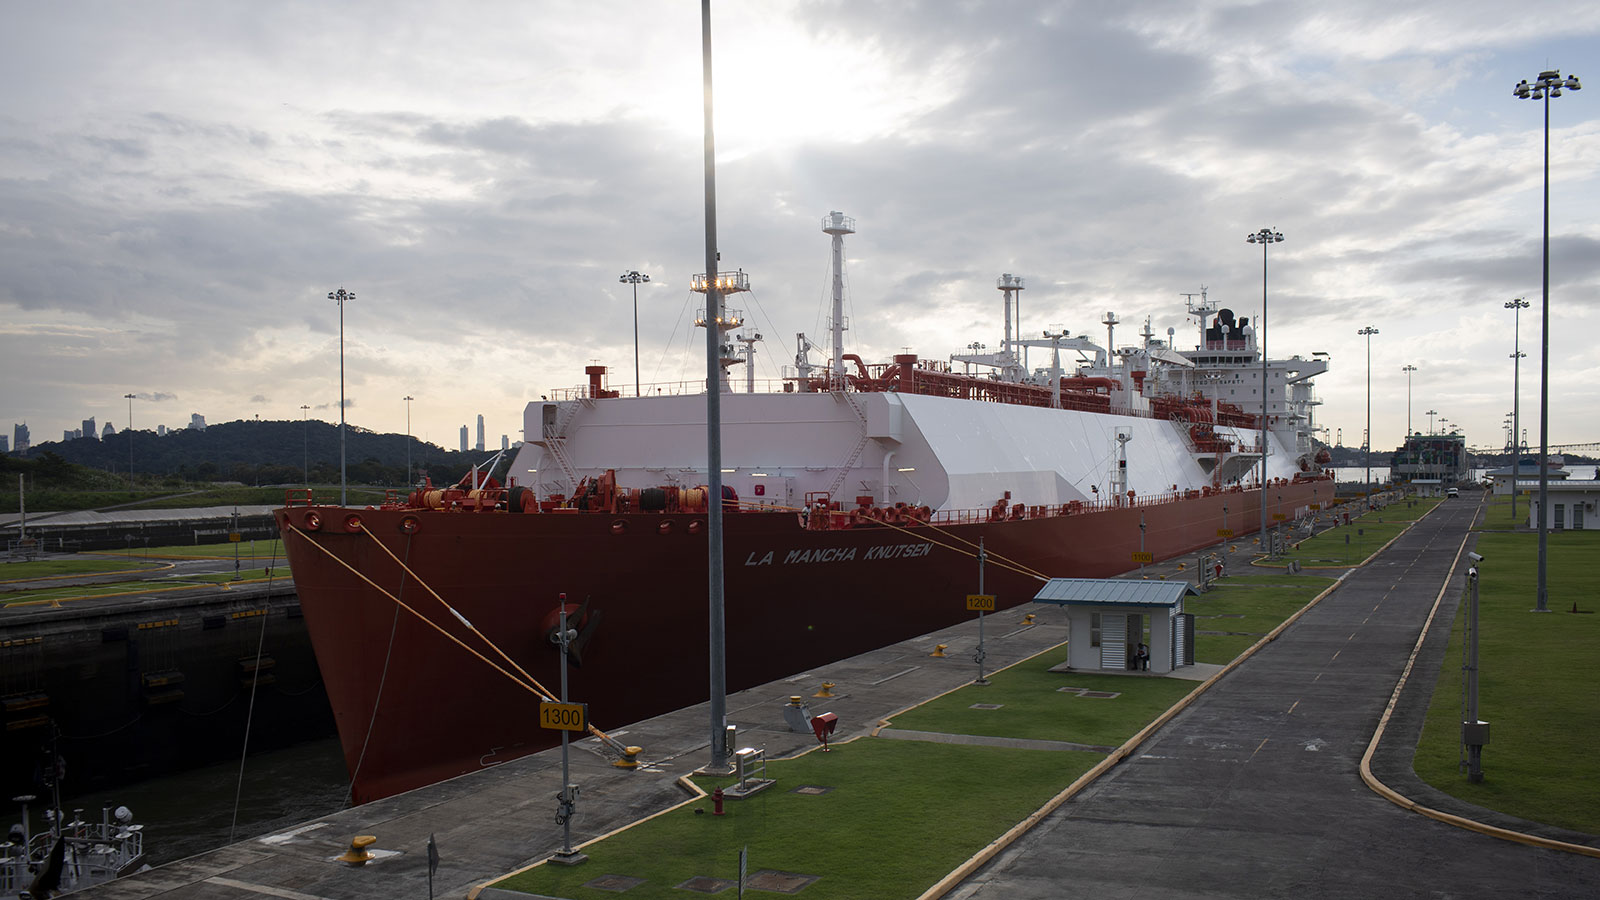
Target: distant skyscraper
88,429
110,429
480,434
69,434
197,422
5,443
463,439
161,430
19,438
505,442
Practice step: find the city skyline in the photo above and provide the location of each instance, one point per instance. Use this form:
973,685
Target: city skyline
187,187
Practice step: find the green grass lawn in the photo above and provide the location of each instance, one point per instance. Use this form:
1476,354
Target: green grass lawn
1349,545
903,814
900,815
1539,686
1498,515
1249,606
1032,707
78,565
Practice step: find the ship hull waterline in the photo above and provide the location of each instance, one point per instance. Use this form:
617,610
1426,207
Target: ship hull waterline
413,708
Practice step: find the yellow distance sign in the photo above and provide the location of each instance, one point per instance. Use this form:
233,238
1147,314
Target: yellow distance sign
1279,517
981,602
1224,532
564,716
1143,556
1316,506
235,536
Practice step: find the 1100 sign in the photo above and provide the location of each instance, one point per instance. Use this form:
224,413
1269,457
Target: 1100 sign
564,716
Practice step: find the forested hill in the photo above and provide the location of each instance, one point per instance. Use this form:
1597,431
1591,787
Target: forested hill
265,452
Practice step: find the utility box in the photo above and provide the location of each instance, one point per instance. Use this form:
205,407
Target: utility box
1475,734
797,715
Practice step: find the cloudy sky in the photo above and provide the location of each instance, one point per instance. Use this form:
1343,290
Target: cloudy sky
182,184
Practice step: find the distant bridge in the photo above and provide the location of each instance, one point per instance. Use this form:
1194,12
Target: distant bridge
1592,446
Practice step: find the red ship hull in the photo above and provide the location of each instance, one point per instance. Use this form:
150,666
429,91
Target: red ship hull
414,708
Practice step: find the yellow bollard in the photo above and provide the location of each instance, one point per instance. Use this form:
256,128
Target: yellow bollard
358,854
827,690
630,758
938,650
1027,619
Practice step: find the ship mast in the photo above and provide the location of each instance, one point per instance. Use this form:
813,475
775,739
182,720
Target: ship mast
838,224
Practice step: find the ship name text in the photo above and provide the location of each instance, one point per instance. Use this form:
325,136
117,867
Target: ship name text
839,554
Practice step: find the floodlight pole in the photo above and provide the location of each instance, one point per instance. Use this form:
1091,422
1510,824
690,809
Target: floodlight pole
634,278
129,398
1548,84
1264,237
983,557
408,399
1408,369
339,297
305,432
1516,306
1368,332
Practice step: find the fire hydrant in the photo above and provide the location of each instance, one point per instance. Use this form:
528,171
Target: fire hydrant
716,802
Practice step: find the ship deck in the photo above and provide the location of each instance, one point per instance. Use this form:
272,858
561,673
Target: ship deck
493,822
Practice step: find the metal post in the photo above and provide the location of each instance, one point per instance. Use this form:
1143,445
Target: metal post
634,278
1368,331
339,297
719,688
408,398
1408,369
1264,237
1471,729
130,438
1516,306
568,798
305,415
1549,84
983,556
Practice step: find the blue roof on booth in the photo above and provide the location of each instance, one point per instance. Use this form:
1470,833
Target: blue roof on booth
1112,592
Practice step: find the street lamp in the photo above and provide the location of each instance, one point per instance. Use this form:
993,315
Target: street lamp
1263,237
1516,306
305,415
1408,370
1369,331
1430,415
634,278
1549,84
339,297
129,398
408,399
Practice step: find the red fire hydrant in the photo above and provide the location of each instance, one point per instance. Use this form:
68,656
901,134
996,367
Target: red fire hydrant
716,802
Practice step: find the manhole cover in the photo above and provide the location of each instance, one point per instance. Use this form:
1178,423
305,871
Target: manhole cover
986,706
617,883
1070,690
779,882
705,884
810,789
1101,695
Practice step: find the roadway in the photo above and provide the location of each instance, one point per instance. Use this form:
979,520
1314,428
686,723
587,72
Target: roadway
1254,791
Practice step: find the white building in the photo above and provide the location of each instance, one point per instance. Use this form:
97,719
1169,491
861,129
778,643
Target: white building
1573,504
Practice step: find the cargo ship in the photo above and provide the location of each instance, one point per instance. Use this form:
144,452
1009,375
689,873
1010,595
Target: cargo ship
856,498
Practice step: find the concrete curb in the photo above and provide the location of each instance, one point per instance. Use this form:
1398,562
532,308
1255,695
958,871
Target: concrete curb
1400,800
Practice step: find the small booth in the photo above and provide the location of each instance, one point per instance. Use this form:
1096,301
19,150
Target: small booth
1108,618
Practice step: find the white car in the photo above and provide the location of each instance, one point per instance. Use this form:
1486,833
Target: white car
1452,492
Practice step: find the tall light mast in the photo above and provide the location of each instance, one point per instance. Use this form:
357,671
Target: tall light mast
838,224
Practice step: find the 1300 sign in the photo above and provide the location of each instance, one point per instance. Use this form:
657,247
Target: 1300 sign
564,716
